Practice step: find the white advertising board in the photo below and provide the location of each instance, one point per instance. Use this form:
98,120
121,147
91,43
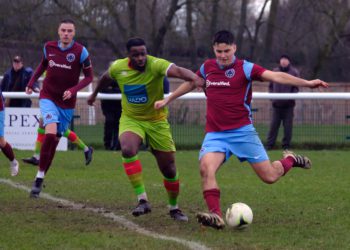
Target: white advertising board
21,128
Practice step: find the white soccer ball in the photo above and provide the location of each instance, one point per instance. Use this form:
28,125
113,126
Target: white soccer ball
239,215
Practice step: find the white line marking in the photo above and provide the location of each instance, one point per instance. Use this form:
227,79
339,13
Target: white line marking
101,211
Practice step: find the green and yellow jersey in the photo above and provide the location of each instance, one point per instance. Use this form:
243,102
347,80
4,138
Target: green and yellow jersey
140,90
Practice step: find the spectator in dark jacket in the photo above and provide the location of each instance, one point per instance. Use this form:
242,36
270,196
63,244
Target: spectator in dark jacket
15,80
112,111
282,110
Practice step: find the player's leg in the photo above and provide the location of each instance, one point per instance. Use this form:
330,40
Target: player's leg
56,121
34,160
46,155
6,147
75,139
212,155
252,150
163,148
171,181
131,136
209,165
132,165
274,127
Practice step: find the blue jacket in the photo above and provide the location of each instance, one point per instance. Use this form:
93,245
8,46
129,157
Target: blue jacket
7,85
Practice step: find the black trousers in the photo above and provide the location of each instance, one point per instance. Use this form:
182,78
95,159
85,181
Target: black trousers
112,112
285,116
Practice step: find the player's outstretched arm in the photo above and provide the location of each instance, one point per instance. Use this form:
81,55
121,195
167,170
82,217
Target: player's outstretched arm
284,78
102,82
184,74
181,90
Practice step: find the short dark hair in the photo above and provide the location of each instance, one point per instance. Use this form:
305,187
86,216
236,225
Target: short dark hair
134,41
67,20
223,36
285,56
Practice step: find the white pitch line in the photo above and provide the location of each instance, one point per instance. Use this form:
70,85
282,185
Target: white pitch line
101,211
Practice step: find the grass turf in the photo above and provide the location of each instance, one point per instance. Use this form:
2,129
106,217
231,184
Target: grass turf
307,209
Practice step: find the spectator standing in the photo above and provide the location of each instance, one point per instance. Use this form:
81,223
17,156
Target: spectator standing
282,110
15,80
112,110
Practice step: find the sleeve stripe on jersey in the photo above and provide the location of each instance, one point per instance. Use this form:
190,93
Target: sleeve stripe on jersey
247,68
44,50
84,55
166,72
201,69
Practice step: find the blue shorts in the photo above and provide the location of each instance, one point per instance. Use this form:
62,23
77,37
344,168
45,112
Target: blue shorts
242,142
2,123
51,113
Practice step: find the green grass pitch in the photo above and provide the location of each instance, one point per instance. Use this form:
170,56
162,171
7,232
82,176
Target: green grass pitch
306,209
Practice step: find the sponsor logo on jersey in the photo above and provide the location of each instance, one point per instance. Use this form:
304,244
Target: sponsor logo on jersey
136,94
52,54
63,66
70,57
220,83
124,73
230,73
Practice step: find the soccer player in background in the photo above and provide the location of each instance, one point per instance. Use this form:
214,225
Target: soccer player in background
4,145
63,61
227,82
140,78
69,134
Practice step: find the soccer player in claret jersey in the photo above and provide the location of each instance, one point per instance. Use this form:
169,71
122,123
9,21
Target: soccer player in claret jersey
63,61
4,145
228,86
140,78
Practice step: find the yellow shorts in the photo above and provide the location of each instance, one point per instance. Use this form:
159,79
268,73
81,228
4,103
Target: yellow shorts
157,133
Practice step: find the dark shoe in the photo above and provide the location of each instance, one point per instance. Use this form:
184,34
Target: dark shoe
36,189
210,220
88,156
142,208
177,214
300,161
32,160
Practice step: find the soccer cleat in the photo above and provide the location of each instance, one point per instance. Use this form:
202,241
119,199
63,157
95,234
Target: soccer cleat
210,220
14,167
177,214
88,155
142,208
300,161
32,160
36,188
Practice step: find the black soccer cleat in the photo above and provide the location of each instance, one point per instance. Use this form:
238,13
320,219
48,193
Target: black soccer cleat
36,189
178,215
32,160
210,220
88,155
300,161
142,208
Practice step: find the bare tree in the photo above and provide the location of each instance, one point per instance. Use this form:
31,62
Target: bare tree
270,30
158,40
189,29
242,25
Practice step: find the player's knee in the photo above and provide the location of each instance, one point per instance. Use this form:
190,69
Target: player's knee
128,151
269,179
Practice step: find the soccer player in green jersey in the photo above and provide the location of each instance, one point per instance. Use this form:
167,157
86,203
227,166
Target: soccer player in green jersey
140,78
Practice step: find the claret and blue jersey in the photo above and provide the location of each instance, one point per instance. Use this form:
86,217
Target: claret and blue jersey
229,93
63,67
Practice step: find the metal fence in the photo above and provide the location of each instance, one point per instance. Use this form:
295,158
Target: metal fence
321,119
